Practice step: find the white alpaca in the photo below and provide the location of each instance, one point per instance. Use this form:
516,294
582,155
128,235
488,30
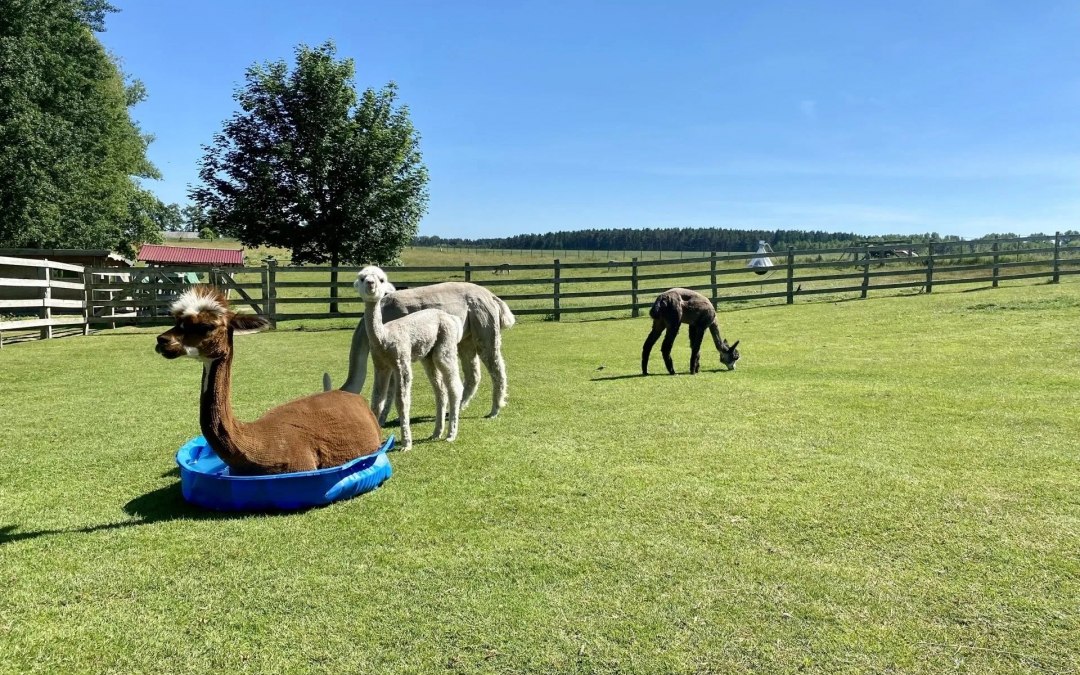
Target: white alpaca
485,317
429,336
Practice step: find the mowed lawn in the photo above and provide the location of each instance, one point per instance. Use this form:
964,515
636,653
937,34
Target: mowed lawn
888,485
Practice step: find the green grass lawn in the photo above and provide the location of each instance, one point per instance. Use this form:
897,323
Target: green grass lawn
882,486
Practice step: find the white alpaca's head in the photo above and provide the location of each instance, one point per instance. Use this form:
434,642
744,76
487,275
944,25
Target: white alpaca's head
371,283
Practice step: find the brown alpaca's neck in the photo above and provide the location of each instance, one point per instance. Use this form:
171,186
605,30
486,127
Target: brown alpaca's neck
222,431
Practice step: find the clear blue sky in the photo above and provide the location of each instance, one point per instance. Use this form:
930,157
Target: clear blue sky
958,116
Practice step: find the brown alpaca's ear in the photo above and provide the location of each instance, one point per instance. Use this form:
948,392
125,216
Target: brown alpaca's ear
247,323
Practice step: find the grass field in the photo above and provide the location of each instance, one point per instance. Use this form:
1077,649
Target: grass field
882,486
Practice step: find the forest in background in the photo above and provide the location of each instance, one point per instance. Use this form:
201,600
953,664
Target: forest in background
684,239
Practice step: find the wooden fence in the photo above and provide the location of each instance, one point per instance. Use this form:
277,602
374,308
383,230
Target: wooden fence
40,295
107,297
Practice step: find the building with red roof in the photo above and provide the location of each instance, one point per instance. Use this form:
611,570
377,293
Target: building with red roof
190,256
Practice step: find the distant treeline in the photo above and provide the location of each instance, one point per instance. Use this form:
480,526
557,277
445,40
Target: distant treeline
678,239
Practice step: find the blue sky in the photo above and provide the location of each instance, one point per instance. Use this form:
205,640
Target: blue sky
961,117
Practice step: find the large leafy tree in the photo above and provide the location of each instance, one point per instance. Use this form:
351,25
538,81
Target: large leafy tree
70,154
308,165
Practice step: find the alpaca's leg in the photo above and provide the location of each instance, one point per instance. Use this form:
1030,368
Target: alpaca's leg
491,355
392,385
404,401
388,395
665,347
646,349
696,335
439,387
379,394
449,367
470,363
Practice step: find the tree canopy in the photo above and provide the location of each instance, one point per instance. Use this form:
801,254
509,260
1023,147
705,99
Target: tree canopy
307,164
70,154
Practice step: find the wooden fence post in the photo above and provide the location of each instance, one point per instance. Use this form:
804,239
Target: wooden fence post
271,292
866,272
558,283
46,295
468,272
996,271
712,276
88,299
633,288
1057,258
790,275
929,267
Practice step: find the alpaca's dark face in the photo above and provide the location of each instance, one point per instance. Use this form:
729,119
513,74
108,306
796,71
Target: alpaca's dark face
729,354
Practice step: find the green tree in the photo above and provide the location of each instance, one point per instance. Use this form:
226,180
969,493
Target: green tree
308,165
70,155
145,219
194,218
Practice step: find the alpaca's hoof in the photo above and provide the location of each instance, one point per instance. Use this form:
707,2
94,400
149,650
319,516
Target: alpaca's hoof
451,438
492,415
435,436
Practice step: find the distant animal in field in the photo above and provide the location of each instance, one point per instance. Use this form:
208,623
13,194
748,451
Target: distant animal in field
502,269
669,311
613,265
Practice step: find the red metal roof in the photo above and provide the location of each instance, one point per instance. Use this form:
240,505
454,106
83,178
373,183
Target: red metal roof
191,255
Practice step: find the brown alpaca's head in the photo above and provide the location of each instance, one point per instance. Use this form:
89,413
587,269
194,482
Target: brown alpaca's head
204,325
729,354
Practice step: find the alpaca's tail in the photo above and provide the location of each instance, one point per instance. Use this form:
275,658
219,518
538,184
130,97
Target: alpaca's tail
506,317
659,305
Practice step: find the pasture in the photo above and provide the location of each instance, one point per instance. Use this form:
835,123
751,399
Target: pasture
886,485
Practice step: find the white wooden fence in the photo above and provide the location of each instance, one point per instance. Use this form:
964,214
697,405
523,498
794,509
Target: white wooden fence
57,291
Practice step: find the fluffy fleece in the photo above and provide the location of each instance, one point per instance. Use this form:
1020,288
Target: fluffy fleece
429,336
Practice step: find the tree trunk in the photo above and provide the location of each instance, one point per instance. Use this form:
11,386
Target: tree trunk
333,282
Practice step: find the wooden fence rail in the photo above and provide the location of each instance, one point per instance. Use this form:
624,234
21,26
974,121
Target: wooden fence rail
141,296
284,293
28,296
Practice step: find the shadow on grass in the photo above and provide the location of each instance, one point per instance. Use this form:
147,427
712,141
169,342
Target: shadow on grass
428,419
638,376
158,506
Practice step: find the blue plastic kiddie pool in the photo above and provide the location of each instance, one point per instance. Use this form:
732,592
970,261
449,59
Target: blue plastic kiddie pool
205,481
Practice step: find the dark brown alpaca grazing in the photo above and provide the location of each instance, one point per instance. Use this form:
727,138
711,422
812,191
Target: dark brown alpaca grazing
670,310
314,432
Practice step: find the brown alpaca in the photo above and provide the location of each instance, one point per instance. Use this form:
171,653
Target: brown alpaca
678,306
314,432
